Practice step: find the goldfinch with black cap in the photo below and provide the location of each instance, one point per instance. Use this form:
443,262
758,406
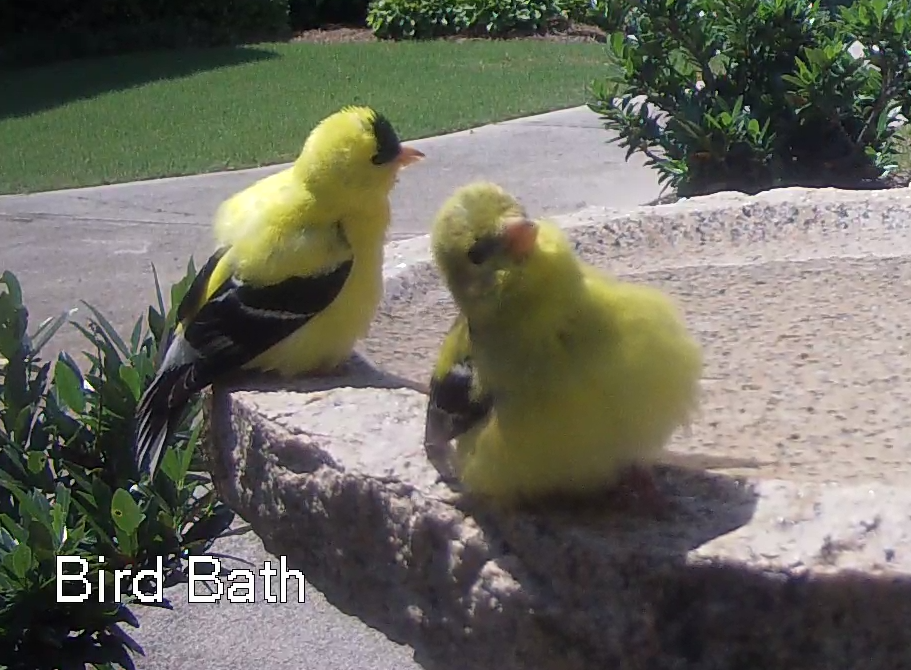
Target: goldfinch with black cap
296,276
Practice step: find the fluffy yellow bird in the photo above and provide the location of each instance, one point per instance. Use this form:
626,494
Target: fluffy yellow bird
555,378
296,276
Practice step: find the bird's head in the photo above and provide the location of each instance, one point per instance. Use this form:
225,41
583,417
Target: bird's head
355,150
492,256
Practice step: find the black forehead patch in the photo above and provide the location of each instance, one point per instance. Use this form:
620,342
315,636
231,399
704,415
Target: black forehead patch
387,141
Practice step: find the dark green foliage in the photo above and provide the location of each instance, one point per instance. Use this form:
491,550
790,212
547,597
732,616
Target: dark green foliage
759,93
315,13
602,13
68,487
35,32
424,19
417,19
502,17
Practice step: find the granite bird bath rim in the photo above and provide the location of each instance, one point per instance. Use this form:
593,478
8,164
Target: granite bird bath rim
796,540
767,283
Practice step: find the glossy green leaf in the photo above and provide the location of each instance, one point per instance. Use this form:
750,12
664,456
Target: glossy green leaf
11,526
60,512
130,377
125,512
136,336
11,287
48,328
108,330
69,387
36,461
7,541
18,561
126,542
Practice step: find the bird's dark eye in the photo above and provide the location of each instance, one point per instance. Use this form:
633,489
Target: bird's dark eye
483,249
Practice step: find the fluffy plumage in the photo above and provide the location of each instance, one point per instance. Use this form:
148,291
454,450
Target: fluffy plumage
582,375
296,276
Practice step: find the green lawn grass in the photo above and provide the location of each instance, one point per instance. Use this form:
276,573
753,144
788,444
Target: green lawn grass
182,112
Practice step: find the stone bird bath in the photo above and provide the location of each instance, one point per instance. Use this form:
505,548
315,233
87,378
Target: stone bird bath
790,544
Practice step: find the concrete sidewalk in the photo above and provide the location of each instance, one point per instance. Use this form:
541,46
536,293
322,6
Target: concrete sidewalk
96,244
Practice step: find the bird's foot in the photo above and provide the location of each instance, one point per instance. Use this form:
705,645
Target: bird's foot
639,491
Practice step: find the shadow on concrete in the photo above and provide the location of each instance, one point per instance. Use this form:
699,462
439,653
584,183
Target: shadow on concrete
35,89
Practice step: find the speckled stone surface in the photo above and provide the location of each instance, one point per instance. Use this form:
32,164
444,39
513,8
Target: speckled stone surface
790,542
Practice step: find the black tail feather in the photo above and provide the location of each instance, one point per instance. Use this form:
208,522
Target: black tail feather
157,418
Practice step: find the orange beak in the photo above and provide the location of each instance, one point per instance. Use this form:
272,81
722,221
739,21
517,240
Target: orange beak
407,156
519,237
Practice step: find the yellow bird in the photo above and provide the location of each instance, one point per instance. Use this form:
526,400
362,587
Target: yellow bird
555,378
296,276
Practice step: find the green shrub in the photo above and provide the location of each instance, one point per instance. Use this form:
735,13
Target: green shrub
601,13
758,93
33,33
576,10
501,17
417,19
68,487
424,19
